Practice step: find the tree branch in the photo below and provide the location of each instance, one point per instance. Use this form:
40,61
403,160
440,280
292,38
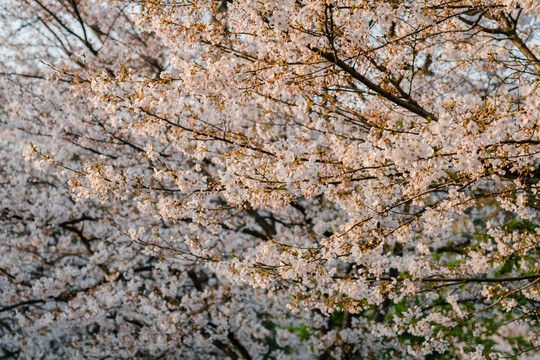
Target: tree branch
412,106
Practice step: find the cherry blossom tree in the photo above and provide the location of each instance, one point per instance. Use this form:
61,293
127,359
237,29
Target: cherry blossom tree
270,180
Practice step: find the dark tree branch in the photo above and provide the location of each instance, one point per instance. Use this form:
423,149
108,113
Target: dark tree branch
410,105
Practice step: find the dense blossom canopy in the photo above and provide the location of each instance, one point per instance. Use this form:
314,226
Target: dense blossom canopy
238,179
